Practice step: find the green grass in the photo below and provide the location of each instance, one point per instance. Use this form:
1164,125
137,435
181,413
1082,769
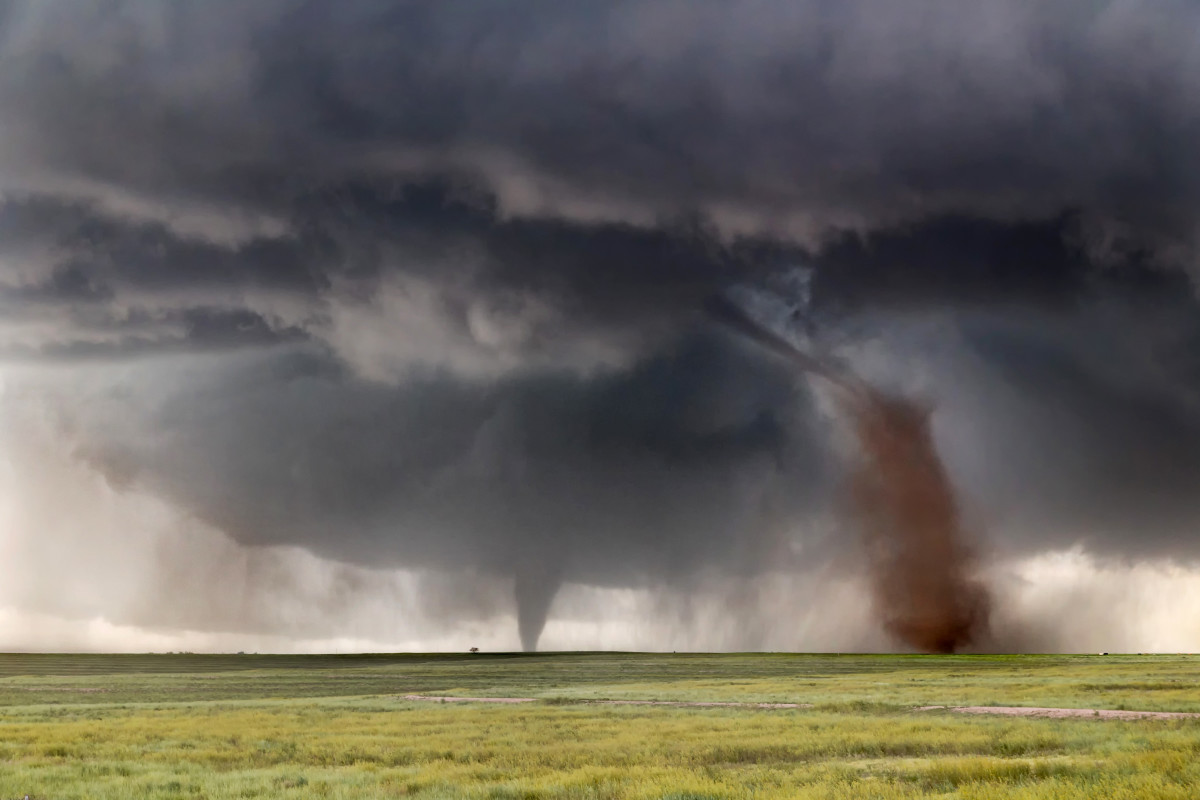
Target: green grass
1141,682
334,726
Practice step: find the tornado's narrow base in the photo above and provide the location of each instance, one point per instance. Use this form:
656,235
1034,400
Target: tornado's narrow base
534,591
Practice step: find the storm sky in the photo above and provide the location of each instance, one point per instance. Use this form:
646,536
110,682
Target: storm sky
375,324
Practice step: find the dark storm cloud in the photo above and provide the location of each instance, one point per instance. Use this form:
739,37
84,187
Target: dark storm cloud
553,456
814,112
954,262
695,460
352,129
1097,427
488,230
499,287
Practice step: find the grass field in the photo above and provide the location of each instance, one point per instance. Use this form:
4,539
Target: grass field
184,726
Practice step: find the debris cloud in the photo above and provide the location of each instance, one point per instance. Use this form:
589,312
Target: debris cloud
926,592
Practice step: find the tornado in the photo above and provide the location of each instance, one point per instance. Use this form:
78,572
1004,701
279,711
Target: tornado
926,590
534,590
922,572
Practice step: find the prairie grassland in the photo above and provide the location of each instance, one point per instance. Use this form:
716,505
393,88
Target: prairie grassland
1153,683
293,727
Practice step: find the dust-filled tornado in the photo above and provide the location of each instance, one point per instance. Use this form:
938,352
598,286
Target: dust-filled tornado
926,591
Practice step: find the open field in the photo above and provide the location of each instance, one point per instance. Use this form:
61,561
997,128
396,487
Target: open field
188,726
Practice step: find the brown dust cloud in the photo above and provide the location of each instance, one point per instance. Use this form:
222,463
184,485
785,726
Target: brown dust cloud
922,572
926,590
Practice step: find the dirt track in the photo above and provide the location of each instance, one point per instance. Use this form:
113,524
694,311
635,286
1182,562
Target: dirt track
1063,713
433,699
1008,711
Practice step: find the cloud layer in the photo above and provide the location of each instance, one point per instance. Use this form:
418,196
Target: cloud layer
418,286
